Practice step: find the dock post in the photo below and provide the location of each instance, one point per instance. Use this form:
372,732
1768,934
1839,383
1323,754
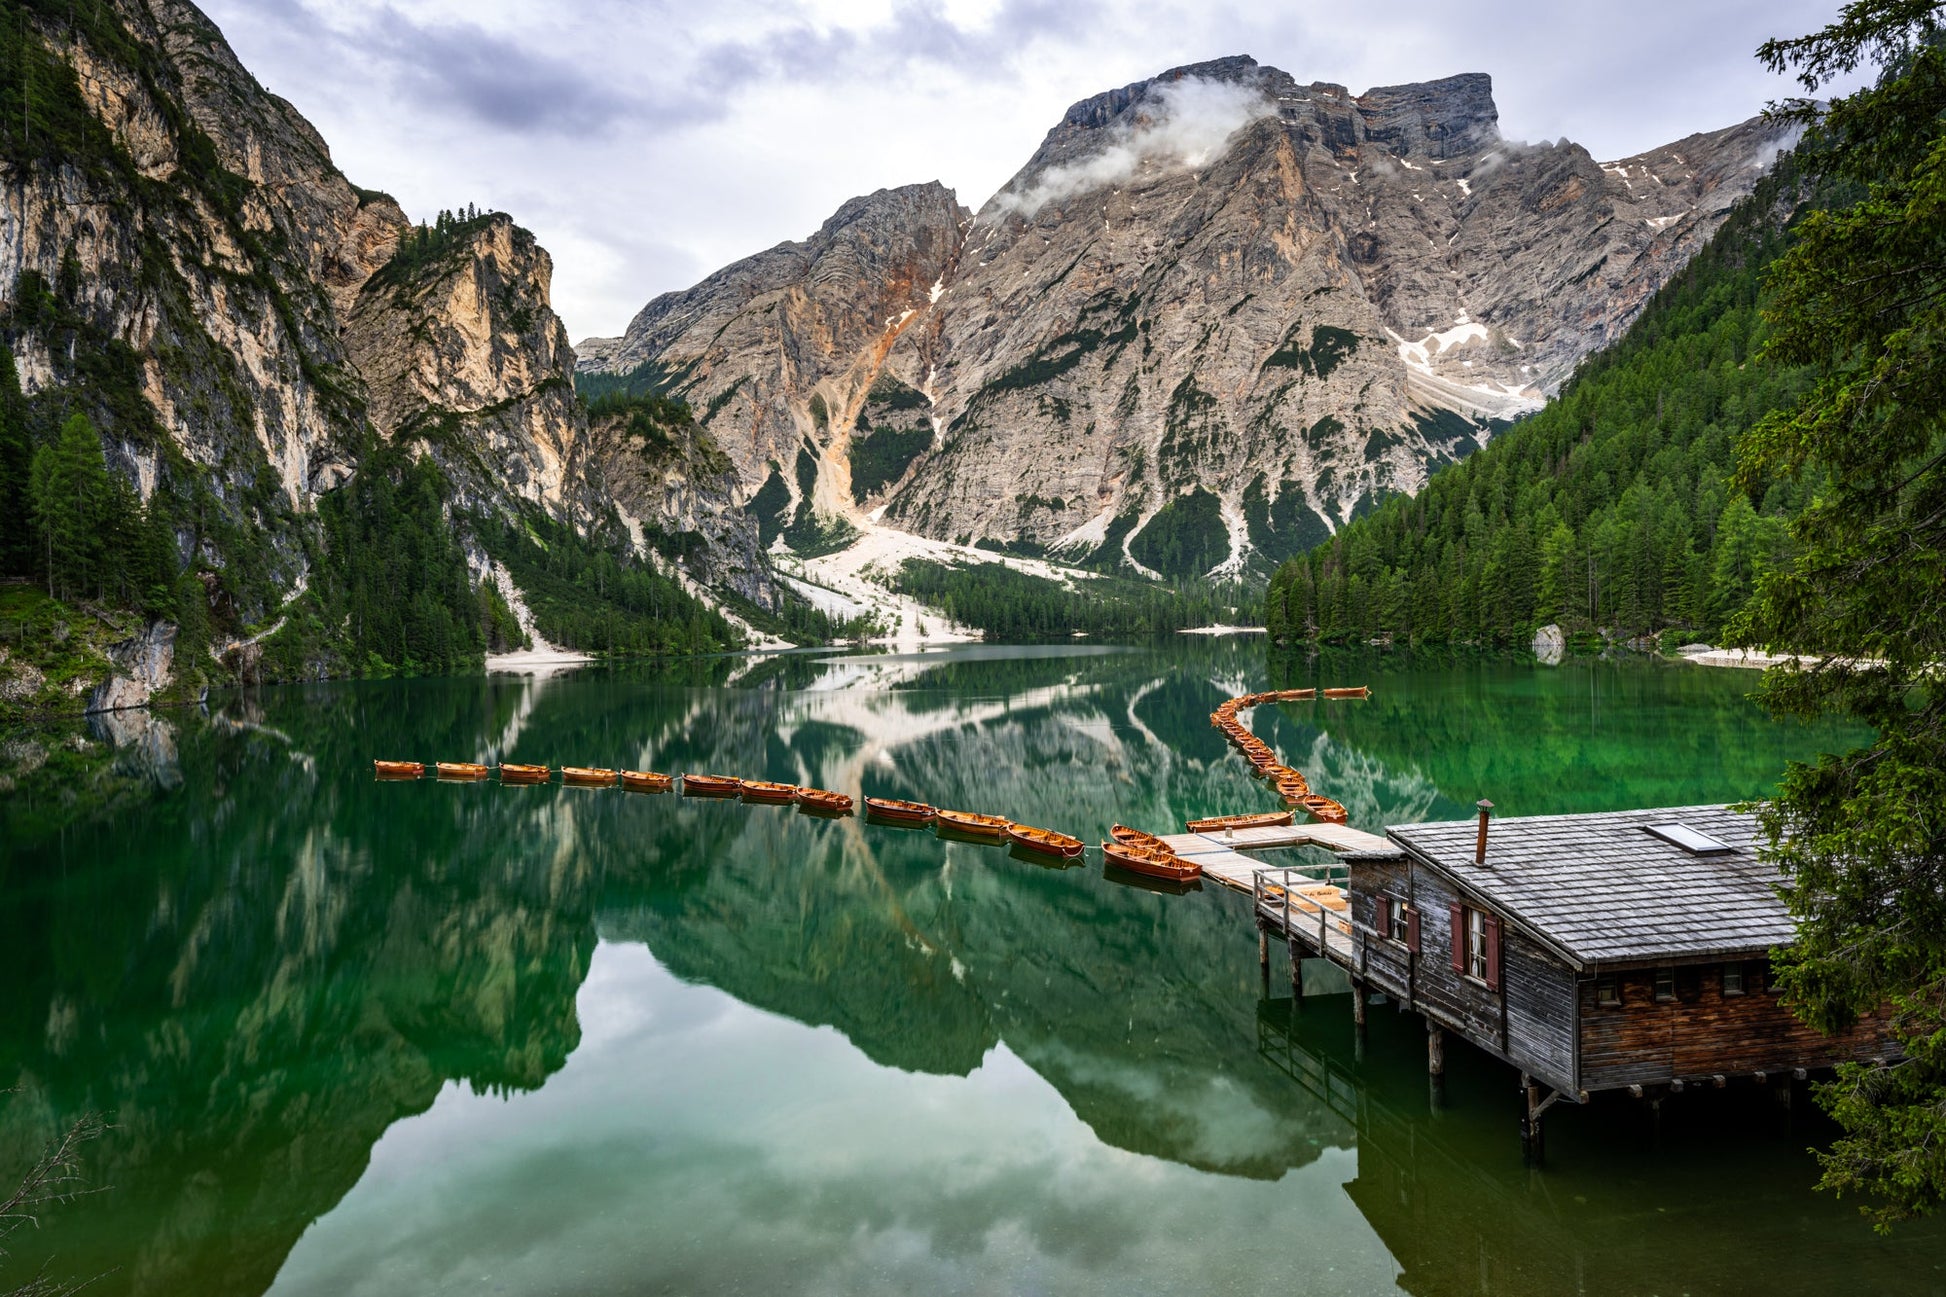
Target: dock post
1357,1020
1436,1063
1297,967
1263,955
1780,1097
1532,1144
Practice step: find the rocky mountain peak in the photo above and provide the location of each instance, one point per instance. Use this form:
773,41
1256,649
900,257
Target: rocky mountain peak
1217,313
1443,119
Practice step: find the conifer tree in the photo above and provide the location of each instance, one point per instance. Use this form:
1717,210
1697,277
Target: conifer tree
74,505
1861,835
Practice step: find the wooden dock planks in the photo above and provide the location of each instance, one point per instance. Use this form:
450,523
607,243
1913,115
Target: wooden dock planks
1221,854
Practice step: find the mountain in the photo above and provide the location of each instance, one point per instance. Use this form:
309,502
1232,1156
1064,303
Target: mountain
309,428
1216,315
1614,509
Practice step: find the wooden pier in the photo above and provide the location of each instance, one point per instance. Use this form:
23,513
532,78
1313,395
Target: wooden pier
1221,854
1307,897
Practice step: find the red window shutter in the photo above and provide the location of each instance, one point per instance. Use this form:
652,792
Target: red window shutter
1459,937
1382,915
1412,929
1492,926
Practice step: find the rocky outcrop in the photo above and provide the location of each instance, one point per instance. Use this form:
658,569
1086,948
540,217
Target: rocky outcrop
778,352
144,665
1217,313
461,350
677,493
1550,644
464,352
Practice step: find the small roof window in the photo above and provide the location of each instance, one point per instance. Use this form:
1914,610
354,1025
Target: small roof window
1690,840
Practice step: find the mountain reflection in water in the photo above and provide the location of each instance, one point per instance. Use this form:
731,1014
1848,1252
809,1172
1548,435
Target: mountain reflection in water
363,1037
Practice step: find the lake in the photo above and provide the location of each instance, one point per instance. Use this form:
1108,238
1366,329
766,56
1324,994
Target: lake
383,1038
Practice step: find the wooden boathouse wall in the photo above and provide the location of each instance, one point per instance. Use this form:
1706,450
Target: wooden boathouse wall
1705,1031
1613,959
1526,1017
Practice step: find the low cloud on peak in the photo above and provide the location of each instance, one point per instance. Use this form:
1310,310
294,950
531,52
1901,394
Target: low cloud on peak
1189,123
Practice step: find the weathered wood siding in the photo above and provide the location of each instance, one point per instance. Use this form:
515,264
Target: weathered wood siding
1387,964
1529,1020
1704,1032
1540,1010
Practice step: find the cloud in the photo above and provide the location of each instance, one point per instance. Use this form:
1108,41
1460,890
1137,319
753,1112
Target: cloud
649,142
1191,123
492,79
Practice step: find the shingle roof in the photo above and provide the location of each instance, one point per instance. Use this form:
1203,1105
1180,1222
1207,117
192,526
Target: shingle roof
1603,889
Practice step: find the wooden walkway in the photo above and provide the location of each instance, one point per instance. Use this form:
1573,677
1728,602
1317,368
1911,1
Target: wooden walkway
1222,859
1317,909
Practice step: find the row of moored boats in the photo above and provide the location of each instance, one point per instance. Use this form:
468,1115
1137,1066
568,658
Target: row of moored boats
1291,785
1126,848
970,825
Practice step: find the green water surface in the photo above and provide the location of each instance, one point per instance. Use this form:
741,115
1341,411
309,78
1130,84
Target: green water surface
385,1038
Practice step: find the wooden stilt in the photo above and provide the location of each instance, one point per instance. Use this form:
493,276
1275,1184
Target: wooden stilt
1531,1146
1435,1065
1263,955
1297,970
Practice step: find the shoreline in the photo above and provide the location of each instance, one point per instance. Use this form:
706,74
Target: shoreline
1224,630
535,659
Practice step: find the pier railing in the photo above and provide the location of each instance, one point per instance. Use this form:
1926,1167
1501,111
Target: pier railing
1335,934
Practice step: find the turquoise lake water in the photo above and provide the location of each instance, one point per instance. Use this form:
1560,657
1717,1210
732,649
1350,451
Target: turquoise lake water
382,1038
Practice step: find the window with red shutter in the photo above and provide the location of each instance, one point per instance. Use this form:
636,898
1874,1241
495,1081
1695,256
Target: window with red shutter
1459,937
1412,929
1382,915
1493,953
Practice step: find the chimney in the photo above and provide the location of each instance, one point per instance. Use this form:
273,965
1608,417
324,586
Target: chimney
1480,847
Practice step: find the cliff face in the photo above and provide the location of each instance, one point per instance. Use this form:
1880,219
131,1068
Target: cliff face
777,352
174,248
181,260
1217,301
464,350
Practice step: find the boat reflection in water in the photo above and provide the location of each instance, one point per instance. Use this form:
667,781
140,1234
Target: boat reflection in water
363,1036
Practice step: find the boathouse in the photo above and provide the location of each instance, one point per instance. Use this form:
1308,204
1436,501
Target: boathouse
1628,950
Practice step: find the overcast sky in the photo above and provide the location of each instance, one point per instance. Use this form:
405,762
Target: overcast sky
649,142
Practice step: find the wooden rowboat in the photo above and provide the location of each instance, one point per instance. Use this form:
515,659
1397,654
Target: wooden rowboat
1294,789
821,801
763,790
591,775
1156,864
647,781
461,770
711,786
1323,808
1045,841
1356,691
399,769
987,828
1137,838
897,812
511,773
1265,820
1296,695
